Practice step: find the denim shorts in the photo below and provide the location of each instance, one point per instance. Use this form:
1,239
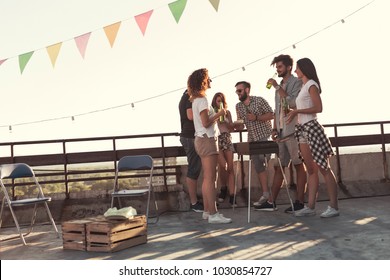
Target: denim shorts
193,159
289,150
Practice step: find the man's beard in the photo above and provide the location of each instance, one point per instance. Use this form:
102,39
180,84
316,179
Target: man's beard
281,75
243,97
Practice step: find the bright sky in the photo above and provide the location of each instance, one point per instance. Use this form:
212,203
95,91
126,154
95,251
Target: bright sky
351,60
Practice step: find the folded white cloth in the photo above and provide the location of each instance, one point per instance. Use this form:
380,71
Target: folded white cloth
122,213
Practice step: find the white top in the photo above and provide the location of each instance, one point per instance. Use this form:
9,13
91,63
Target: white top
304,101
198,105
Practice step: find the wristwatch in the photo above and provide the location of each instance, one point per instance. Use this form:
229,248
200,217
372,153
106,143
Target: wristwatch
277,87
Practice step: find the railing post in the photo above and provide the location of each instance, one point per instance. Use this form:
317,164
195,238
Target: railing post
163,162
65,170
115,152
13,180
385,165
339,180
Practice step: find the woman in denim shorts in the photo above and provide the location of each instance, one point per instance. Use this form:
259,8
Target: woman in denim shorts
206,134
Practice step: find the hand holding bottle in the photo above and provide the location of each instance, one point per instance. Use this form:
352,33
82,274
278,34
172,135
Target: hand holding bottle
222,117
271,81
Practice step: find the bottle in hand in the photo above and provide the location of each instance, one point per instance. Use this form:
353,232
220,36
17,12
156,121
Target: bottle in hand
269,85
221,118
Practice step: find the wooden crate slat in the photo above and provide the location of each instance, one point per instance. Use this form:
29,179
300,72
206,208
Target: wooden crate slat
104,225
68,236
99,247
75,246
115,237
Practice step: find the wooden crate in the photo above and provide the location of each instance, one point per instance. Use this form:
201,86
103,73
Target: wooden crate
74,234
111,235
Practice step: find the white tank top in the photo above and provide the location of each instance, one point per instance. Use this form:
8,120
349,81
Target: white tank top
304,101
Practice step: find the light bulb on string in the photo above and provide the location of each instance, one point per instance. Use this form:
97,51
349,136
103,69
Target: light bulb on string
132,106
72,118
243,68
294,47
342,21
10,129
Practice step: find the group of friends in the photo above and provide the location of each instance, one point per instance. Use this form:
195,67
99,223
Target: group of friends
206,137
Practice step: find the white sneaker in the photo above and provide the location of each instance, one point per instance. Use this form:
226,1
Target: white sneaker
261,200
305,212
218,219
330,212
205,215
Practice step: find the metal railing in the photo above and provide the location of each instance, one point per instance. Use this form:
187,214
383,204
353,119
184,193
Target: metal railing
160,153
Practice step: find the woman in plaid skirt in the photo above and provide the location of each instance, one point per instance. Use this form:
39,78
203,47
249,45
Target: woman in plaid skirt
315,147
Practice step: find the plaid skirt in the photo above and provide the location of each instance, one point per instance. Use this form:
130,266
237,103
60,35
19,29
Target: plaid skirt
319,143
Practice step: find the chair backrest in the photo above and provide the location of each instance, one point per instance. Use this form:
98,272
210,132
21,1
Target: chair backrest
142,162
15,170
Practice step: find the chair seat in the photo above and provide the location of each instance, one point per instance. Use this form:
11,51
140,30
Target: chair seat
16,171
28,201
130,192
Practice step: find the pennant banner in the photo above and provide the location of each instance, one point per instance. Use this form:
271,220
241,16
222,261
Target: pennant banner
111,32
23,60
53,52
215,4
82,42
143,20
177,9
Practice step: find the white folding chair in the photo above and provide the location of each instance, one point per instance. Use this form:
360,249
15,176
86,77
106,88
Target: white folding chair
17,171
141,163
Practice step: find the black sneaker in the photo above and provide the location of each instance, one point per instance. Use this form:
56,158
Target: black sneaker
266,206
197,207
222,194
232,201
297,206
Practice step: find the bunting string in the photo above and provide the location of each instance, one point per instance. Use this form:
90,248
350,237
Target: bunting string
177,9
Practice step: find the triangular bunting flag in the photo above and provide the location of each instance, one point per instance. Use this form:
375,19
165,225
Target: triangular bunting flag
177,8
53,52
142,20
215,4
111,32
2,61
81,42
23,60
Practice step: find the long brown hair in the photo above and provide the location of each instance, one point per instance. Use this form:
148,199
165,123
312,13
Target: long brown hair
309,70
197,83
223,100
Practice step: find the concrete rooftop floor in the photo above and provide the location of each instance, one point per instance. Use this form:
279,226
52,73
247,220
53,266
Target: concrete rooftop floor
361,232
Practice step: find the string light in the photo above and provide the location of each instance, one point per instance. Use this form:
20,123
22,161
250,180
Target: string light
243,68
